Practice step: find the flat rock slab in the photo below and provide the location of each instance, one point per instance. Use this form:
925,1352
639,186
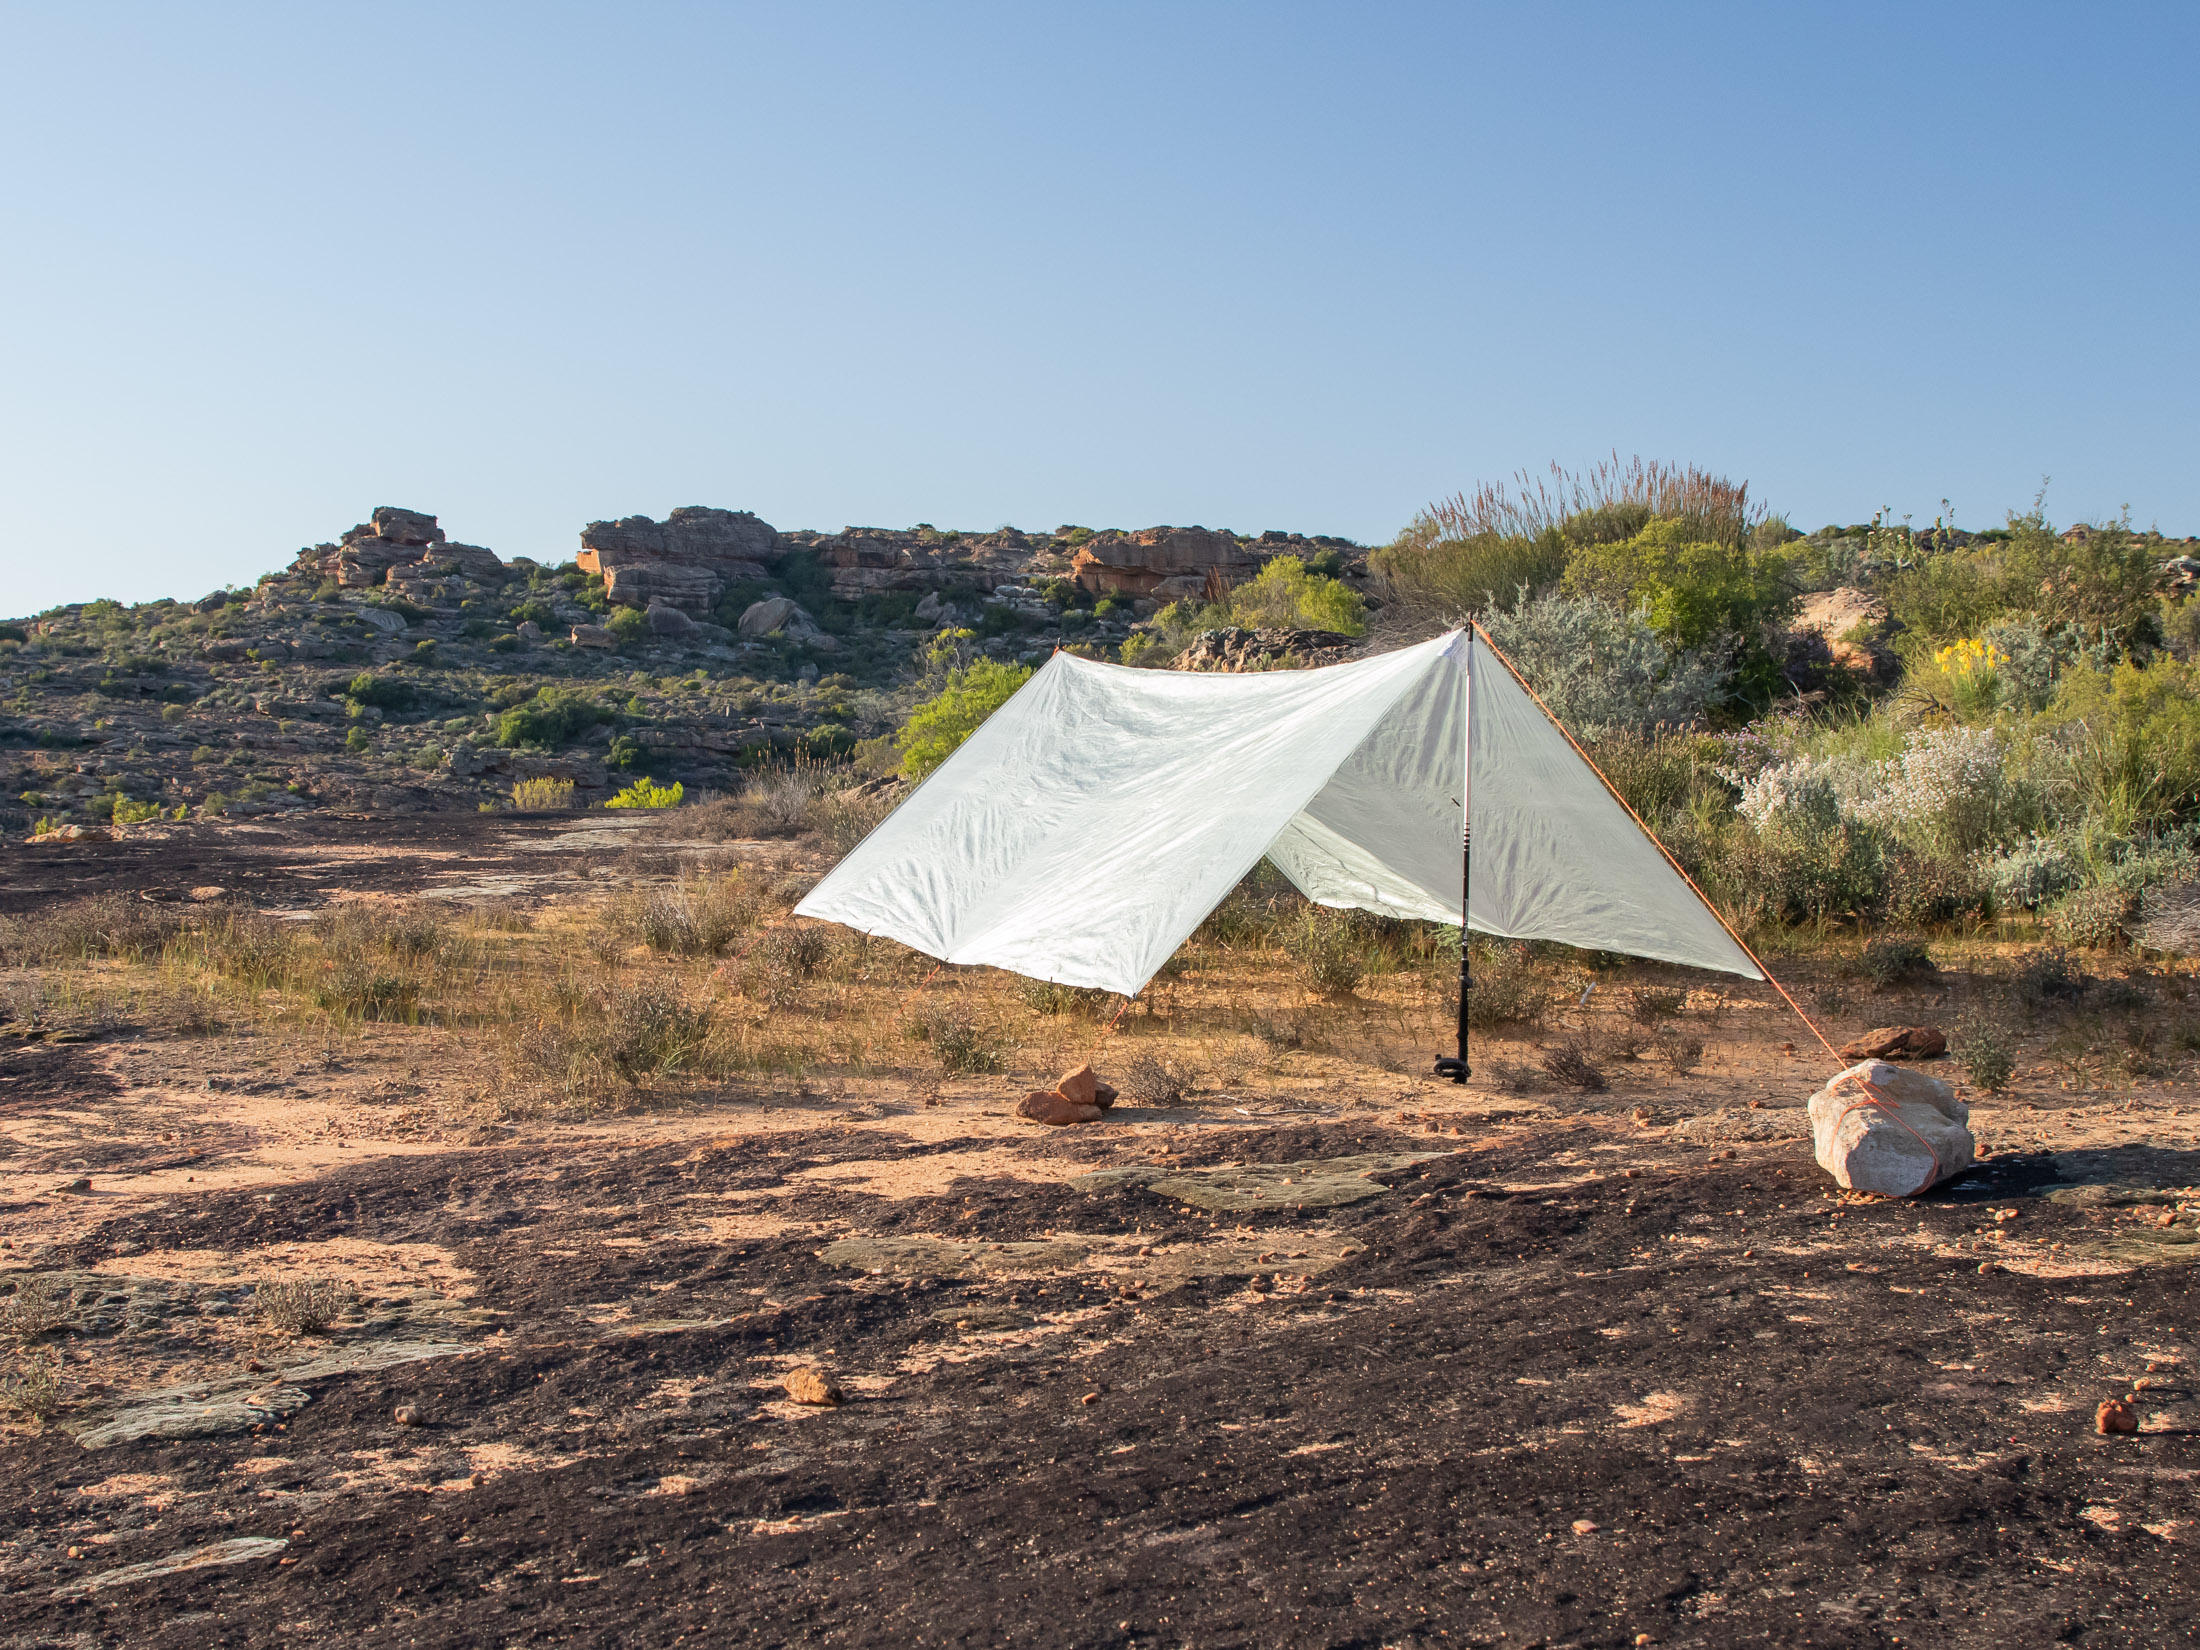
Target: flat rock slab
2125,1175
210,1409
238,1551
371,1355
946,1257
191,1412
1315,1183
1742,1123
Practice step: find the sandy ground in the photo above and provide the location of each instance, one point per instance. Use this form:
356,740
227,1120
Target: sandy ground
1329,1355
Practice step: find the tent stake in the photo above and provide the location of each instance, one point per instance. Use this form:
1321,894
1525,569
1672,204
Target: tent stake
1457,1069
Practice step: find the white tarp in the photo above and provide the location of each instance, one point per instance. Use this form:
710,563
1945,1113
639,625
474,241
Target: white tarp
1088,827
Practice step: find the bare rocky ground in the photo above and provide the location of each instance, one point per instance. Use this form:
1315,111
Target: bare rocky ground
1328,1355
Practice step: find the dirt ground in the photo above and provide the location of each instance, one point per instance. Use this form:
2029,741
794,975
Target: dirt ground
1338,1356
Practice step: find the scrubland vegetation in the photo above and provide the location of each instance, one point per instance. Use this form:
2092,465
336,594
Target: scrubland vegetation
2017,737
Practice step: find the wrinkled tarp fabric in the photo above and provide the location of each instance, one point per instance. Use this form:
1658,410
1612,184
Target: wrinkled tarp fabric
1087,828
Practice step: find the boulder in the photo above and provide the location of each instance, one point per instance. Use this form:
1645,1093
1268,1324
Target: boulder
1881,1128
670,621
1046,1106
397,526
529,631
593,635
1082,1088
772,613
390,623
1897,1043
929,608
1844,630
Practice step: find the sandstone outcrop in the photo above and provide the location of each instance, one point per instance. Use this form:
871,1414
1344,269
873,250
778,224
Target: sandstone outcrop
394,542
1836,631
1165,564
687,561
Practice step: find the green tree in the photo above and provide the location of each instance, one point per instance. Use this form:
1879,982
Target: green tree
936,729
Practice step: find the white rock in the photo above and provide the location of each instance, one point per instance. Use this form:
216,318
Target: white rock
384,620
1864,1146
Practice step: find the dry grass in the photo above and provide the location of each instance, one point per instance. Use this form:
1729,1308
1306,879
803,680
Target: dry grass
36,1308
300,1306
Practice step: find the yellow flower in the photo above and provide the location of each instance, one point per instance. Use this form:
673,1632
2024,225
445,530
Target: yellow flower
1970,657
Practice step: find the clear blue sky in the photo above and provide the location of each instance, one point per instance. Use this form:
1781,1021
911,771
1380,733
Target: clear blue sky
1298,266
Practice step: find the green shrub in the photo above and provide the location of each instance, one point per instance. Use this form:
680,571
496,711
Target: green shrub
936,729
356,741
1330,950
1891,960
1284,595
958,1044
2092,917
1691,590
2133,736
382,692
647,793
542,795
1048,997
1985,1052
1508,989
549,719
628,625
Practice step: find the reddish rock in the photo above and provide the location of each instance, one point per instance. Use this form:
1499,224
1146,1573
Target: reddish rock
1897,1043
2115,1415
812,1386
1079,1086
1045,1106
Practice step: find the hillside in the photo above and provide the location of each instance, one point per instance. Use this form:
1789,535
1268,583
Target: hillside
395,670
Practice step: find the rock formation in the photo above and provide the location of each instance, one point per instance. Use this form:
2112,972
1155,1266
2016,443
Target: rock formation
1164,563
1839,631
686,561
1233,649
393,543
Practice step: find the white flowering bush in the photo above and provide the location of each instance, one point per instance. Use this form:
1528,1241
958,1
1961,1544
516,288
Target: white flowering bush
1947,792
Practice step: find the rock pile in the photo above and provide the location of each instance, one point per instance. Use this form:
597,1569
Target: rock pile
866,561
393,541
1079,1097
686,561
1236,650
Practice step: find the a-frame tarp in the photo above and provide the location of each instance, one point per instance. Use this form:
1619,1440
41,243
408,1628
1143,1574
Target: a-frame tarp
1088,827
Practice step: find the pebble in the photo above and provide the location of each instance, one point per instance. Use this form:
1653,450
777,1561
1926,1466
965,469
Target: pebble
2114,1415
1586,1526
1090,1398
80,1184
406,1415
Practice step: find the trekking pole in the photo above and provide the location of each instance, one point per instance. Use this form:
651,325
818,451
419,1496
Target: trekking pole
1457,1069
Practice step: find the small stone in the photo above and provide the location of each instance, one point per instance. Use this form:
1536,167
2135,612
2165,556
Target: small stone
1640,1116
255,1366
1090,1398
2115,1415
406,1415
1586,1526
80,1184
1985,1266
1631,1174
811,1386
1079,1087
